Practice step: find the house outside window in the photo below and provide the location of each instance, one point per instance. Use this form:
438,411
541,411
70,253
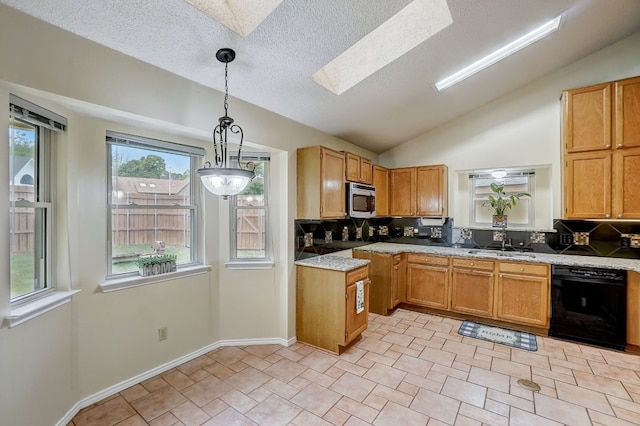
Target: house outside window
32,138
250,239
516,181
152,204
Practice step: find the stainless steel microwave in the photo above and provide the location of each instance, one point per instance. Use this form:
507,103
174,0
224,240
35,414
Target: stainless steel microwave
361,200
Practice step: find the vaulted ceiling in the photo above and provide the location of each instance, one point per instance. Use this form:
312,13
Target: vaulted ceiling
275,62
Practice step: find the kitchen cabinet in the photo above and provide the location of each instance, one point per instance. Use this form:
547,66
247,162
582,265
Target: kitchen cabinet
587,185
402,191
385,273
431,191
472,286
358,169
320,183
326,315
587,118
381,183
418,191
522,293
633,309
428,280
601,133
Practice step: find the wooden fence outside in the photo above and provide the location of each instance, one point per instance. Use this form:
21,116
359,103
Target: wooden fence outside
141,226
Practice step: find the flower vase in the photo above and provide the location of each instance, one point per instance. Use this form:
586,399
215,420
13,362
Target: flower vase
499,220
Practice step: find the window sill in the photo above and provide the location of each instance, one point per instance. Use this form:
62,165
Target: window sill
241,264
38,307
130,282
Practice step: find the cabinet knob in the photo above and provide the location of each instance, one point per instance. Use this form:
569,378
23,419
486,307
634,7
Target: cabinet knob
619,145
607,215
395,267
501,275
471,263
521,269
619,215
607,146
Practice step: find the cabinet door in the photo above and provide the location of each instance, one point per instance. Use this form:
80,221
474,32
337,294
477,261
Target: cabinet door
396,276
431,191
587,118
332,191
366,171
353,167
626,192
523,299
587,185
627,113
633,308
356,323
381,183
428,285
402,190
472,292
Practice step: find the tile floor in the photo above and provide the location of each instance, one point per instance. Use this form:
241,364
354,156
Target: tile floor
408,369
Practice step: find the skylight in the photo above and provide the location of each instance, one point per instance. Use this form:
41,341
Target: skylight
511,48
418,21
240,16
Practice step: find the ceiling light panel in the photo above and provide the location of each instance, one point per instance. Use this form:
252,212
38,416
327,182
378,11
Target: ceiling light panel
511,48
417,22
240,16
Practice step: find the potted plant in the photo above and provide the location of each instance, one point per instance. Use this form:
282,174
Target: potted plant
501,202
158,264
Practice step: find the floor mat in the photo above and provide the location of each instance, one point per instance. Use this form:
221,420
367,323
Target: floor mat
517,339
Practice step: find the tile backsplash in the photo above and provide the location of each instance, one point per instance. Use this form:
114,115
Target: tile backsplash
573,237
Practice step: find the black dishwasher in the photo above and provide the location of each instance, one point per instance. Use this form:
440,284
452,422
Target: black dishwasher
589,305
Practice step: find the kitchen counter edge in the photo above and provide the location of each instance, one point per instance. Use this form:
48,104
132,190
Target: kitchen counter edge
555,259
335,263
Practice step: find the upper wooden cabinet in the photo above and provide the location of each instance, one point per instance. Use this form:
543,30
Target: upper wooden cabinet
402,191
601,159
418,191
381,183
587,118
431,191
627,113
320,182
358,169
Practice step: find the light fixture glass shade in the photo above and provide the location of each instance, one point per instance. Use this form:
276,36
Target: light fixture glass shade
498,174
225,181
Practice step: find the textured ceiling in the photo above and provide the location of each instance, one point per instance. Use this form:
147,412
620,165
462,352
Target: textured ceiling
275,62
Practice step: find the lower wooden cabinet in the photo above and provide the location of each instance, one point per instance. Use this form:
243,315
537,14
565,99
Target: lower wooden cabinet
522,293
633,309
472,286
427,281
326,314
385,272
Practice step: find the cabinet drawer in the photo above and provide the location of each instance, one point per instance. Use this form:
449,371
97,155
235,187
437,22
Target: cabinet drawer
524,268
357,274
459,262
427,258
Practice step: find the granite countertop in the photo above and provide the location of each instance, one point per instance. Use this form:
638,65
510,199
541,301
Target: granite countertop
557,259
335,263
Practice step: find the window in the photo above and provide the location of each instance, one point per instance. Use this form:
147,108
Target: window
151,202
32,134
249,215
515,181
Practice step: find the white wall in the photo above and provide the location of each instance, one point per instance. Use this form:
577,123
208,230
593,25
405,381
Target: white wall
100,340
520,129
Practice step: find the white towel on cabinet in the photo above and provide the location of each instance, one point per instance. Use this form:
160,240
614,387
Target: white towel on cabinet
359,296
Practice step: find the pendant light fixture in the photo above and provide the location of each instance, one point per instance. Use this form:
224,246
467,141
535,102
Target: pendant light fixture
220,179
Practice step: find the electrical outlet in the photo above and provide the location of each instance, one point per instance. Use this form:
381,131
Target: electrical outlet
162,334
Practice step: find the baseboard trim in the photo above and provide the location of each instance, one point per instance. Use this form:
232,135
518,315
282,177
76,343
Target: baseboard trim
105,393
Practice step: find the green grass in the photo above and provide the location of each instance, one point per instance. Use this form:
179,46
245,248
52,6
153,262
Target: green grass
22,274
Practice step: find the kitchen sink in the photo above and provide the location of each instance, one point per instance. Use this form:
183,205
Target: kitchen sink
501,253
